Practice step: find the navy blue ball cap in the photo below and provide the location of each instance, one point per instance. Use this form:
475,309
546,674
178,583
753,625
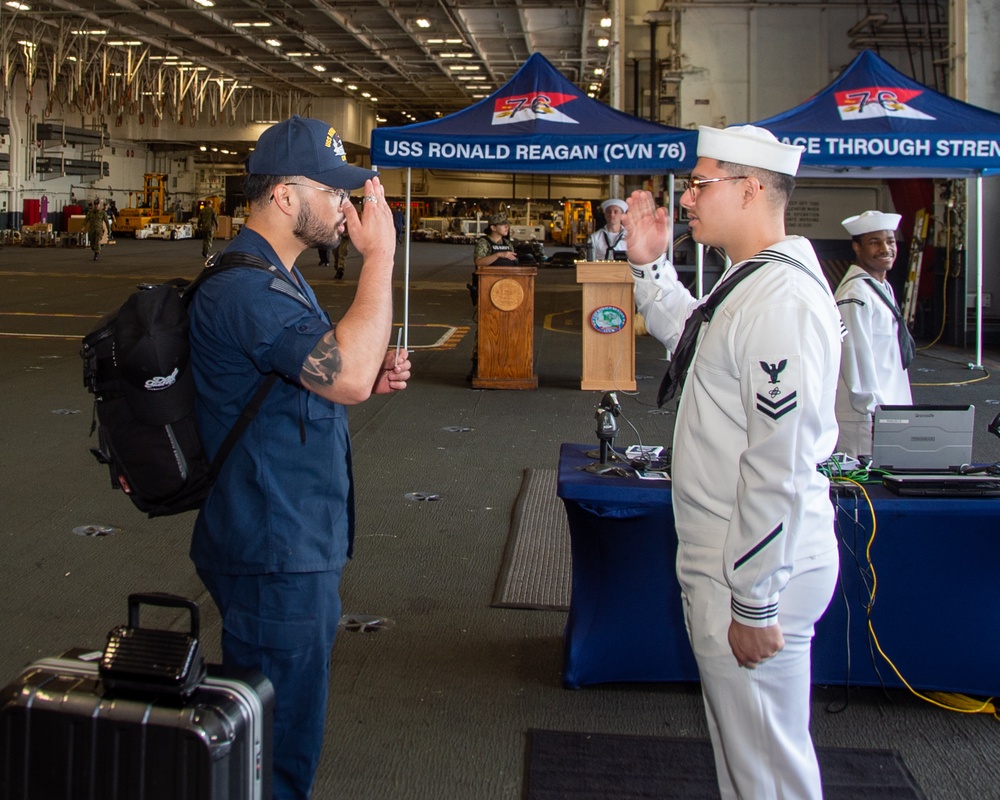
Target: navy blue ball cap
308,147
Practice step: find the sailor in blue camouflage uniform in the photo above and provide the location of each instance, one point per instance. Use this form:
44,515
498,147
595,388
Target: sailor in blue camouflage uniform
757,557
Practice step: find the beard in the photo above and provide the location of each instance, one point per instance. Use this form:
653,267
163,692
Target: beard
314,231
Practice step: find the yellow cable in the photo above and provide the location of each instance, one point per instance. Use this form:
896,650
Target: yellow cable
962,704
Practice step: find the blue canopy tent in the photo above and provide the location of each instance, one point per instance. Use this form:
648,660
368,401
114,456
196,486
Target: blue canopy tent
536,122
875,122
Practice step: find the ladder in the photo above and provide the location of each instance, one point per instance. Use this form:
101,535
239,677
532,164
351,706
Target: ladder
920,226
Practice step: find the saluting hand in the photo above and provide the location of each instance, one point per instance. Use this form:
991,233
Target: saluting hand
649,227
372,232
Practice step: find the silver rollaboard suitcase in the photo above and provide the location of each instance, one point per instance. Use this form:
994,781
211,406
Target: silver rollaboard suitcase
70,729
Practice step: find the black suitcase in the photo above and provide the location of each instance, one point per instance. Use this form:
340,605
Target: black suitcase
64,735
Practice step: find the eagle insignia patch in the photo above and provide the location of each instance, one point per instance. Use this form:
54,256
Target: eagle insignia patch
773,400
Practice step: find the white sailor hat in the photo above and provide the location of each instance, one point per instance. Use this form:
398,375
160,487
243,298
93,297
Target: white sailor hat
750,146
871,221
614,202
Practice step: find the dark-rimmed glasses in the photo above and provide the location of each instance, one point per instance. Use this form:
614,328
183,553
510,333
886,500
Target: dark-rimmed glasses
694,184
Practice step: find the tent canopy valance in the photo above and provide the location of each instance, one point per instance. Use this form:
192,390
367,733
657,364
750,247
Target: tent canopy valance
537,122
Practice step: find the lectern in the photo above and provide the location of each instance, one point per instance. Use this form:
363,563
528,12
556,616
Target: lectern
506,345
608,335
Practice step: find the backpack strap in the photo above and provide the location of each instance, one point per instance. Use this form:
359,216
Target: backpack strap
225,262
243,421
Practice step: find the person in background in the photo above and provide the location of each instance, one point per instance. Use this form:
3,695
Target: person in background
340,255
878,348
399,222
755,364
208,221
608,243
111,211
97,225
275,532
494,248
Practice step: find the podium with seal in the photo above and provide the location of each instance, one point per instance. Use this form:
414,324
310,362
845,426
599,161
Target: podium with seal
608,335
505,339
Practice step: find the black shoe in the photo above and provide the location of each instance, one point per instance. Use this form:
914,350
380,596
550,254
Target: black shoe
340,274
95,256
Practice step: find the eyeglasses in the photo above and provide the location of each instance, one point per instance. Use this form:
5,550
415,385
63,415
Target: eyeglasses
694,184
342,194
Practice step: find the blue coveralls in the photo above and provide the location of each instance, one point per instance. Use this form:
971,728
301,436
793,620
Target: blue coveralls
273,537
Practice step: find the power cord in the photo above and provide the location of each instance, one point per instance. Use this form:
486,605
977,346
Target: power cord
948,701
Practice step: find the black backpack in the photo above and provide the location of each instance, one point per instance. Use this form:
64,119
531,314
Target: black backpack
136,364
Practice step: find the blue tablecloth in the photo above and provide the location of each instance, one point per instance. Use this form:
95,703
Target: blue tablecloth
934,614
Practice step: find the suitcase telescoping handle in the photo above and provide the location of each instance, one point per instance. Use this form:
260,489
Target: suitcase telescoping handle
165,600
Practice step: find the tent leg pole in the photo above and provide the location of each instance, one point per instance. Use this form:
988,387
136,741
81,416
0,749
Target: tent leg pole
406,264
979,275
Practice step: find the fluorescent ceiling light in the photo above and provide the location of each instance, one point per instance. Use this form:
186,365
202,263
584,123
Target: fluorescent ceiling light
606,22
205,3
319,68
423,23
273,42
434,41
18,6
603,42
338,79
352,87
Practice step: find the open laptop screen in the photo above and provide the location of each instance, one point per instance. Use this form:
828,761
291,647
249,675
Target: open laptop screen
922,438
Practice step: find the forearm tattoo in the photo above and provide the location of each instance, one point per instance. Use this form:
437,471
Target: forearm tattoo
324,363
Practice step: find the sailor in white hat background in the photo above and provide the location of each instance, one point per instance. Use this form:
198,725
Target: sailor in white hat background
878,347
608,243
757,555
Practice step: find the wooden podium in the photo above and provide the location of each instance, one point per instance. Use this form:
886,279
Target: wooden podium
506,345
608,335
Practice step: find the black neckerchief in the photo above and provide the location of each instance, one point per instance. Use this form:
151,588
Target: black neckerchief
907,347
680,362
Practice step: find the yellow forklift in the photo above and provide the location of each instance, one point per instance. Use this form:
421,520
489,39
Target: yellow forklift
150,206
574,226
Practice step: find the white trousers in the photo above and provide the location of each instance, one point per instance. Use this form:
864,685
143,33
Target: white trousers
758,718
